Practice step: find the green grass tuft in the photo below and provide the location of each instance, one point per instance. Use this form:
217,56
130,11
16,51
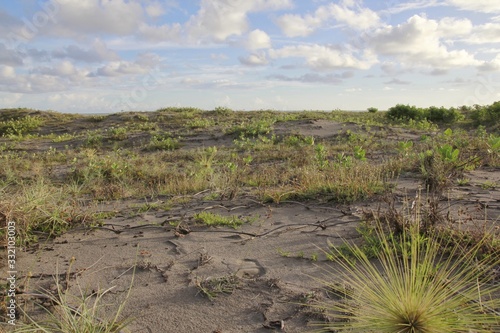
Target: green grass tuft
414,287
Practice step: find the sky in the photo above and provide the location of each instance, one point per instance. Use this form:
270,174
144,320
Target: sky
92,56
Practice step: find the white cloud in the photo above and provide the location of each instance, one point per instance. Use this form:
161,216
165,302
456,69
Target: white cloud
324,57
258,39
220,19
492,65
452,27
485,34
218,56
486,6
357,18
93,100
396,7
10,57
155,9
160,33
311,78
360,19
7,72
296,26
417,42
255,59
76,17
64,68
96,53
143,64
10,99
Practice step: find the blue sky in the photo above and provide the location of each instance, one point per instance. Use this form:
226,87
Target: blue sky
112,55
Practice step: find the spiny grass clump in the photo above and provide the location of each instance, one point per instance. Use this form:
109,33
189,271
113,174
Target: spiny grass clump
414,287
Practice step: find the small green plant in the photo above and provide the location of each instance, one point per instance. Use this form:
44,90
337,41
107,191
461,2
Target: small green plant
359,153
297,140
448,154
414,287
404,147
93,139
372,109
199,123
96,119
422,124
207,157
212,219
343,160
321,156
253,129
118,133
494,144
162,142
63,137
488,185
284,253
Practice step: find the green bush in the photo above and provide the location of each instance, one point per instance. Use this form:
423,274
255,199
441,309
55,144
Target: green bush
443,115
431,114
486,115
405,112
372,110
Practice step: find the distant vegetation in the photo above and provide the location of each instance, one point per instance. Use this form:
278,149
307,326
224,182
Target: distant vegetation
477,114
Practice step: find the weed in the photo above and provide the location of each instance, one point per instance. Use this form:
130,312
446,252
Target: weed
359,153
253,129
212,219
162,142
18,127
63,137
448,154
494,144
404,147
118,133
321,156
284,253
212,287
200,123
41,207
93,139
80,318
96,119
488,185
